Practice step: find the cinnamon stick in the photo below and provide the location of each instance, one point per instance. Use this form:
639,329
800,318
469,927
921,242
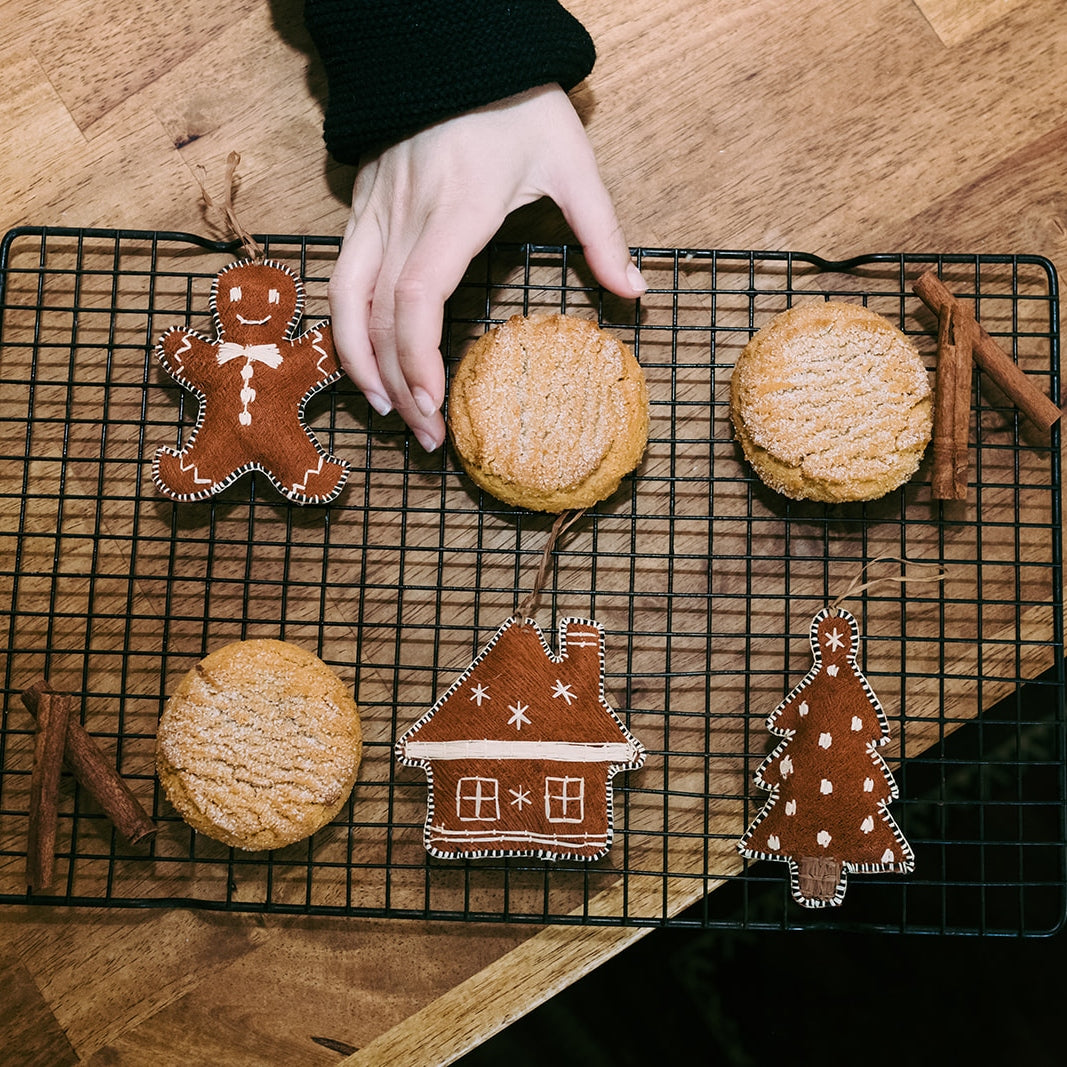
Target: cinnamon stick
93,771
990,356
952,409
53,716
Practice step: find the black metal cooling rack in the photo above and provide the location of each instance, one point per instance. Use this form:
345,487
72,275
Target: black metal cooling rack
704,581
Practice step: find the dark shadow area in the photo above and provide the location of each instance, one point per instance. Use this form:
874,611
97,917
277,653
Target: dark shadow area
742,996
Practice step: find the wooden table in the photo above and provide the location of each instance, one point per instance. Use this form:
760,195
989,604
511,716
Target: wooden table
916,125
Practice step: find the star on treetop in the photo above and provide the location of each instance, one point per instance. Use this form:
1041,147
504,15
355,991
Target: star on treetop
834,640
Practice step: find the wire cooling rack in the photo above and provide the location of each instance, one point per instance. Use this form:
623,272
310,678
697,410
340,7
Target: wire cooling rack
704,581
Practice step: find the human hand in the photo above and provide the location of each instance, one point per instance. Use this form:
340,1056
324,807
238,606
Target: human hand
424,207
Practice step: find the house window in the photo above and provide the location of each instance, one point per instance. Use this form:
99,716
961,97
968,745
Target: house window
477,800
565,799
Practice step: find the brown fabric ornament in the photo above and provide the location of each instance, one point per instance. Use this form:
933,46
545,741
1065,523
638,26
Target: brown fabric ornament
253,381
830,789
521,750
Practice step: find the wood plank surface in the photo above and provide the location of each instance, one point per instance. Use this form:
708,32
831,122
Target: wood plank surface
832,127
956,20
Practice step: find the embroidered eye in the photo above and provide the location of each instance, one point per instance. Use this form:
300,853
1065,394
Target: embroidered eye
235,293
272,296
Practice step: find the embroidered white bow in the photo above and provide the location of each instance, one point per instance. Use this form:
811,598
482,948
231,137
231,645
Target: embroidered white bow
268,354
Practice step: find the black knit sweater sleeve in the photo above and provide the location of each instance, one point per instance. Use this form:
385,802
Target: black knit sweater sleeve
395,67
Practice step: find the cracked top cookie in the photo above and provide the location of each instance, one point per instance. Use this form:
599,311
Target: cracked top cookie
259,745
831,402
548,412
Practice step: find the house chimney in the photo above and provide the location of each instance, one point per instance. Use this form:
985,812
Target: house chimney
581,643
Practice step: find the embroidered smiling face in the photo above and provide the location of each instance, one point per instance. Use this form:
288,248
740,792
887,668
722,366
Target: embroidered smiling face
256,303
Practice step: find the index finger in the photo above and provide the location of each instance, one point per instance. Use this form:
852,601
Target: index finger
431,273
350,292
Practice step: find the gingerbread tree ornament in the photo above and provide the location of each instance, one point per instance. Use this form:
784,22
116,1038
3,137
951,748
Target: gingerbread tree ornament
253,381
830,789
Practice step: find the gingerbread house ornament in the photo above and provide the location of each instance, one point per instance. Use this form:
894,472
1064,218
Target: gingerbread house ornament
521,750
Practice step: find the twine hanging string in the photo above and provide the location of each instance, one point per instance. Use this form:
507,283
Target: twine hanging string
563,523
859,585
225,209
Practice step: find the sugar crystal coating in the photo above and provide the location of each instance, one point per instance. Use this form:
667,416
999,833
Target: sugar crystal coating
832,402
549,412
259,745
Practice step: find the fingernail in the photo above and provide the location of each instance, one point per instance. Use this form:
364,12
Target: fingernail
636,278
424,402
427,440
379,403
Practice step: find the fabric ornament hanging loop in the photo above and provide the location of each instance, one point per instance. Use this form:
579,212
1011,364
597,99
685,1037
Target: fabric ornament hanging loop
225,209
858,585
564,521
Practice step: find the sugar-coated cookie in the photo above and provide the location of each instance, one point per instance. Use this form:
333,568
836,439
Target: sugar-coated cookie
548,412
831,402
259,745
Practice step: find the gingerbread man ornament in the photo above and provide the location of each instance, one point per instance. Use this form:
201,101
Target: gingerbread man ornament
253,381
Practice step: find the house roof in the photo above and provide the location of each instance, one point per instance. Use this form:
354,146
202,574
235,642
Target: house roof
519,700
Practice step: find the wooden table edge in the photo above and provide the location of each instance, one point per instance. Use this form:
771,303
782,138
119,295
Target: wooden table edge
496,996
